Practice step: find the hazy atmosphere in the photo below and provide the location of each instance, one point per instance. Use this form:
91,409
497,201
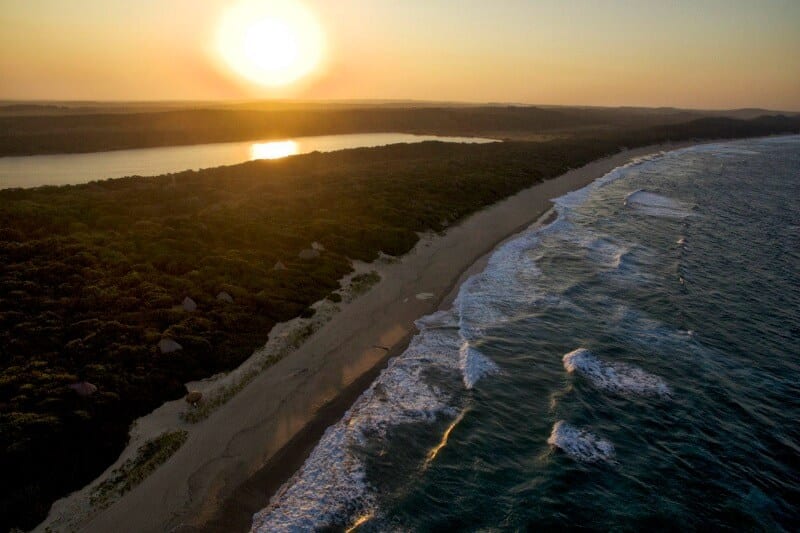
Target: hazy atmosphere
713,54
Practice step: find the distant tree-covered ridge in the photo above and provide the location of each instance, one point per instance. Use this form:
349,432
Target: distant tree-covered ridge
93,131
101,283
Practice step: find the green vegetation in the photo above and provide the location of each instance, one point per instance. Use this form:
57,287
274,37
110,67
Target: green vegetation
149,456
363,282
203,410
93,277
37,130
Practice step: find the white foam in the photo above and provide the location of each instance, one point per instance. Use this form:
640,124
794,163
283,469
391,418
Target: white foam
328,488
439,319
474,365
654,204
477,307
495,295
580,444
331,488
578,197
603,250
722,150
620,378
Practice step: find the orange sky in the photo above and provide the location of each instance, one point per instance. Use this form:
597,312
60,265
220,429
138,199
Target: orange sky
707,54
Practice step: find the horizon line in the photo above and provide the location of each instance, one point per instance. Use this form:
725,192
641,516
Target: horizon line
370,101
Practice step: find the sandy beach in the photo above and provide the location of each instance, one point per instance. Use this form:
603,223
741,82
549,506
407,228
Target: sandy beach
234,460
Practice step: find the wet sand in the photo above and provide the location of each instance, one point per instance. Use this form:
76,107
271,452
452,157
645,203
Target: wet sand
233,461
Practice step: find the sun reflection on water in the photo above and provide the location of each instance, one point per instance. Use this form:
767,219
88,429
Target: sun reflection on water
361,520
443,442
273,150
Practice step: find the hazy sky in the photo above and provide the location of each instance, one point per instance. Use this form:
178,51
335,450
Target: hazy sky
710,54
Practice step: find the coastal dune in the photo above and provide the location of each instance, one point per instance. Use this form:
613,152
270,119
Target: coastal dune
233,461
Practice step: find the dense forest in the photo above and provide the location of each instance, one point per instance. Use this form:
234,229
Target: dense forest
94,277
29,133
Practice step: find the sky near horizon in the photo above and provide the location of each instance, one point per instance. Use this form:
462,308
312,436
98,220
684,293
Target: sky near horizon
698,54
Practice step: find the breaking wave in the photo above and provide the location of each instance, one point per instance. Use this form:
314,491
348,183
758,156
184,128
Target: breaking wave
620,378
474,365
580,444
656,205
332,489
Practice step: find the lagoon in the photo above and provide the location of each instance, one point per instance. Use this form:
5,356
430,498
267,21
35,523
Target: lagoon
73,169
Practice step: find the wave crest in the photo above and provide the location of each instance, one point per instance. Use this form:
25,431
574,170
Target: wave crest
580,444
654,204
614,377
474,365
331,486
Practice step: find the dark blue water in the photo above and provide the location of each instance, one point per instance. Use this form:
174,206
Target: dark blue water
636,364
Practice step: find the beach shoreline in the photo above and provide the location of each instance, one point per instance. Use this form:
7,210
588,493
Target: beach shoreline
237,458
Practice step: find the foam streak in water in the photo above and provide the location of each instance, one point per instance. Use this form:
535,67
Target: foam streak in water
331,487
578,197
474,365
656,205
580,444
620,378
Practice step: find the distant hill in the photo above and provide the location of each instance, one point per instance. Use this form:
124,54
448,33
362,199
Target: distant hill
31,109
28,129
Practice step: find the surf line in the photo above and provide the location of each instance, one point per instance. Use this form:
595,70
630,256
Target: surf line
445,436
359,522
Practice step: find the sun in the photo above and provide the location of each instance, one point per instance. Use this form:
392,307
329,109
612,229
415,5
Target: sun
273,43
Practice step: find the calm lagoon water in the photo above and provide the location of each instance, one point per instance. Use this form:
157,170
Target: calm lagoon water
635,365
71,169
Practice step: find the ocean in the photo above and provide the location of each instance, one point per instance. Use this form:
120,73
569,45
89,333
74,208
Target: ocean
634,364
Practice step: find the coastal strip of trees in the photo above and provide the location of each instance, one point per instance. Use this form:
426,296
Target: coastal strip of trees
96,131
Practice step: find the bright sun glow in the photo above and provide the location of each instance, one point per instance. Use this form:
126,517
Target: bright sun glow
271,42
273,150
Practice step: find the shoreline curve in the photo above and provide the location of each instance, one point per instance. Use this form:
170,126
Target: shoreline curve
236,459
